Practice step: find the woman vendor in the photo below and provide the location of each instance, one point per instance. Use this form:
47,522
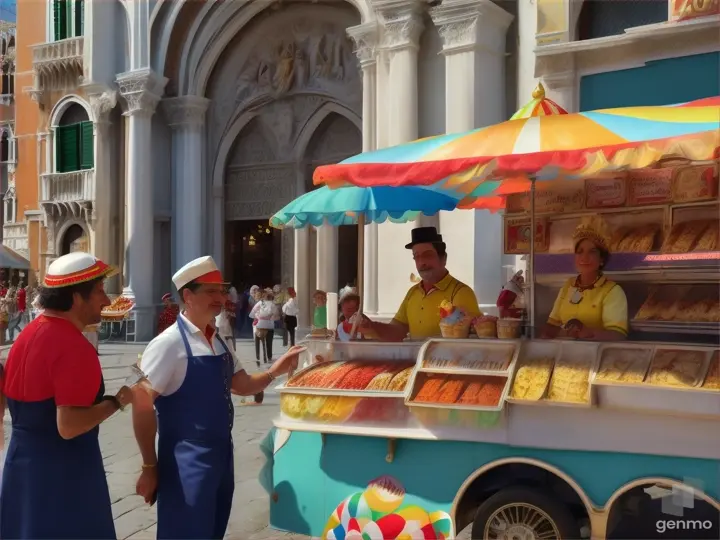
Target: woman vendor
589,306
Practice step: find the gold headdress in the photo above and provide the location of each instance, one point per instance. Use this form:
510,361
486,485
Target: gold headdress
595,229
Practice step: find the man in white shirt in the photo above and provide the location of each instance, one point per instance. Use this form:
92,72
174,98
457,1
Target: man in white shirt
192,373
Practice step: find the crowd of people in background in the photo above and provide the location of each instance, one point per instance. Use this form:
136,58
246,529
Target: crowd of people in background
262,313
14,313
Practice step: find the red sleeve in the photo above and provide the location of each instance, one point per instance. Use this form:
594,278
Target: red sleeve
76,375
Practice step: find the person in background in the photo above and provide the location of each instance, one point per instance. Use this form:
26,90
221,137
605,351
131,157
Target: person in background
419,313
54,483
224,324
4,311
12,310
264,313
349,305
290,312
22,303
183,424
279,298
320,313
241,312
169,314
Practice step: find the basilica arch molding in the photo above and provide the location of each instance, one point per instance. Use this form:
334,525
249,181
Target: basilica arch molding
216,26
63,104
313,123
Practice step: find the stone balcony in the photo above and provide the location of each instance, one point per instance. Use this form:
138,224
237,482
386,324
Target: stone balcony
67,188
57,66
15,236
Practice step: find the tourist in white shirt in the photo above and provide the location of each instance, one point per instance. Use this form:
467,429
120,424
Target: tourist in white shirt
290,312
265,313
192,373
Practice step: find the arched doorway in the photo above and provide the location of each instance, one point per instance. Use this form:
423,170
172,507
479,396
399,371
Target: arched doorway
74,240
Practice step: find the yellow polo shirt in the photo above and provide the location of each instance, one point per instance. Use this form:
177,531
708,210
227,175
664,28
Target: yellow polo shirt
604,306
421,311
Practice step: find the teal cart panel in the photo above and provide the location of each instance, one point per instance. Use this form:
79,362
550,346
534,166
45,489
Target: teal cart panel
312,478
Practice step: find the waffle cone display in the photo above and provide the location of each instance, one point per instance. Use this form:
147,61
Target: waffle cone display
459,330
485,327
509,328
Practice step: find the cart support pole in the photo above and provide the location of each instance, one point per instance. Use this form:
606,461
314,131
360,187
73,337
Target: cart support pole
531,259
360,272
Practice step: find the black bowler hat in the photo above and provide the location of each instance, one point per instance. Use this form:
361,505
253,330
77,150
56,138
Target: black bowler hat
424,235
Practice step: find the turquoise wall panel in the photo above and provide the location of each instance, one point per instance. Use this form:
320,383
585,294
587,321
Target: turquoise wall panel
660,82
311,479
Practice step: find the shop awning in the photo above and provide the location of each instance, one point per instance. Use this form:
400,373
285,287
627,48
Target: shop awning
10,258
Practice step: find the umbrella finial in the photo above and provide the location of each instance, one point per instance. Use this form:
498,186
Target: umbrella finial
539,92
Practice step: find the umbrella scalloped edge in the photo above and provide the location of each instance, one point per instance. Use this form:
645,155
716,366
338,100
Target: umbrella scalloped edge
300,221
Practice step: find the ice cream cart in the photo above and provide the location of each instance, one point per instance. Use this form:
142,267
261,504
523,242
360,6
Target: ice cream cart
530,438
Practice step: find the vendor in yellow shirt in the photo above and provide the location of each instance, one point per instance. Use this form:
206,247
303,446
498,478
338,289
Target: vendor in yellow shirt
589,306
419,313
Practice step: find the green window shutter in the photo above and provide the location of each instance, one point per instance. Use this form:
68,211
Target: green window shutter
57,10
60,13
79,17
68,148
87,153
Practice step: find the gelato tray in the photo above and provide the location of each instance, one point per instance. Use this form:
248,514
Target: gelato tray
381,378
468,392
712,379
364,411
678,368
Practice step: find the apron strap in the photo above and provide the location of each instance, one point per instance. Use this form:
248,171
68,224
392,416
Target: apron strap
183,335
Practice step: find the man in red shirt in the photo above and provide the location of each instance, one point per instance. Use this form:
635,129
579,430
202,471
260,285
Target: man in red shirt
54,482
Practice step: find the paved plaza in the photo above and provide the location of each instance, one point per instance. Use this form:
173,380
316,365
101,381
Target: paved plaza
137,521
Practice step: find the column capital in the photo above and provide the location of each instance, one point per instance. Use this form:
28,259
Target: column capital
101,104
402,23
470,24
185,110
365,36
142,90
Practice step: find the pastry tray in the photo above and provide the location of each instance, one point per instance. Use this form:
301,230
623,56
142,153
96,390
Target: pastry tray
681,401
456,347
425,405
563,348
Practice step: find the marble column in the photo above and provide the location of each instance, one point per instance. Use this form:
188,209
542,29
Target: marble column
302,283
326,257
365,37
142,90
401,27
186,117
473,35
103,211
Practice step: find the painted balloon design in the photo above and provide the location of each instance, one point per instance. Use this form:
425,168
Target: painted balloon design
378,514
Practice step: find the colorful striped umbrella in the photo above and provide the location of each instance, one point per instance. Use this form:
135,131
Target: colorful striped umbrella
546,147
539,106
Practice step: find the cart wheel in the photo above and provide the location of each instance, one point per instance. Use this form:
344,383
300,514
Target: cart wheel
519,513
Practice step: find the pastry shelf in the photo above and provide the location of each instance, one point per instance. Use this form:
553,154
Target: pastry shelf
640,394
676,327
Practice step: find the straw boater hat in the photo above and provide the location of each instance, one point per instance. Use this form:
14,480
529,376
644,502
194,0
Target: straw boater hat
167,296
76,268
595,229
202,270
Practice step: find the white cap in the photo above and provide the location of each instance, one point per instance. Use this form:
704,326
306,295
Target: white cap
201,270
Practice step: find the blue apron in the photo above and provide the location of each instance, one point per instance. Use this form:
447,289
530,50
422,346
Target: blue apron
195,450
52,487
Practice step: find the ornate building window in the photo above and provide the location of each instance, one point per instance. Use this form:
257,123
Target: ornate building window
74,141
68,18
7,65
10,206
600,18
